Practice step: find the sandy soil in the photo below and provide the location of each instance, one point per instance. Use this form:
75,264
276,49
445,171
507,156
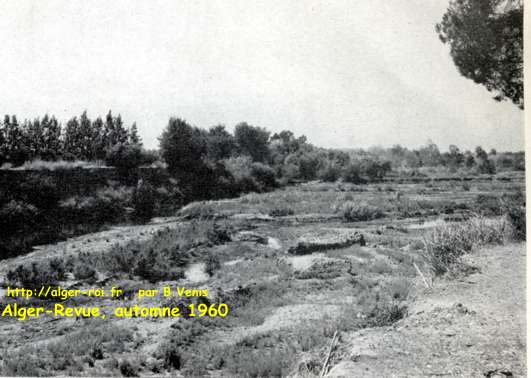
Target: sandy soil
473,326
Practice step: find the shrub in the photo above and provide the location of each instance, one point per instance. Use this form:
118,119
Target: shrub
489,204
143,201
128,369
84,272
447,243
106,205
264,175
182,336
154,267
387,314
67,355
352,211
219,234
281,211
444,246
37,275
172,355
241,168
375,170
516,217
16,216
486,230
330,172
212,264
41,192
352,173
486,166
124,156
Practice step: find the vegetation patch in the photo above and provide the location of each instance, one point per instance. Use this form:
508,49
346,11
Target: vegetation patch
447,243
327,239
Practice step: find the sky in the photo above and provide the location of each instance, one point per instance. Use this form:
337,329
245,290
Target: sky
347,74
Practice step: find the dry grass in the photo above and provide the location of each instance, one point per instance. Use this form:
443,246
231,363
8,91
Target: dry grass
366,286
69,354
40,165
445,244
353,211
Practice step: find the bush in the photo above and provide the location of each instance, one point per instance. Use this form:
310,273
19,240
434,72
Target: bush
37,276
172,357
281,211
352,174
329,173
387,314
489,204
486,166
212,264
16,217
264,175
447,243
124,156
128,369
154,271
352,211
184,334
240,168
516,217
375,170
84,272
41,192
143,201
219,234
107,205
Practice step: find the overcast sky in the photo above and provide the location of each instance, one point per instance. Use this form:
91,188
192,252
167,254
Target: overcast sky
343,73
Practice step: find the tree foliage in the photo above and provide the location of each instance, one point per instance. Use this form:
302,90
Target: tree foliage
252,141
183,147
80,139
220,143
486,44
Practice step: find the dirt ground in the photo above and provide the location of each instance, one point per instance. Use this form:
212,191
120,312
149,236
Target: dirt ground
472,326
291,281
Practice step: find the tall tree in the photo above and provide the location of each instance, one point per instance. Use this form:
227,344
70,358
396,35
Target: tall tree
72,143
85,138
15,141
52,138
34,137
109,131
98,139
183,147
134,138
252,141
122,134
486,44
220,143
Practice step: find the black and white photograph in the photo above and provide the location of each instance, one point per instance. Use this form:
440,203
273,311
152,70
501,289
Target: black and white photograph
282,188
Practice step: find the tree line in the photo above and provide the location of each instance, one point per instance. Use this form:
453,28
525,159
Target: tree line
197,154
210,157
80,139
